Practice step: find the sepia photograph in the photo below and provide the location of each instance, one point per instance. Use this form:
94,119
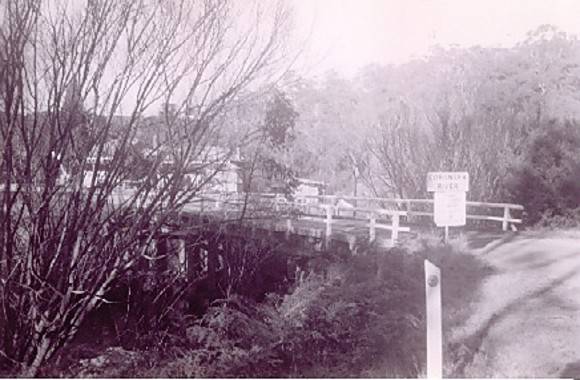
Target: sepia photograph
290,189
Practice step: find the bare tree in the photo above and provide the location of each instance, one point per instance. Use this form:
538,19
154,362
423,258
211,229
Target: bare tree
401,152
67,71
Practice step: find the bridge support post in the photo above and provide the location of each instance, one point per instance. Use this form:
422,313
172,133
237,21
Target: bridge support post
204,257
212,264
193,258
506,218
182,257
161,245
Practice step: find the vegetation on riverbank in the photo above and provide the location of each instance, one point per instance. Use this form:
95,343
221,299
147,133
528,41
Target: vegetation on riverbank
356,316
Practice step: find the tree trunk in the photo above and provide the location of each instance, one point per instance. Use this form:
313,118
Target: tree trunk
32,369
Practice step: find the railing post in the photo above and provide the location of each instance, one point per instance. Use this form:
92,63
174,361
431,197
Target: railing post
372,227
193,258
506,217
328,223
408,211
395,229
204,259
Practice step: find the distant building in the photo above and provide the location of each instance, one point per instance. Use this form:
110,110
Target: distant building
308,187
98,172
92,172
224,168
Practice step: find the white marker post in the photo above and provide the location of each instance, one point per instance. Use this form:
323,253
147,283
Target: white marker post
434,325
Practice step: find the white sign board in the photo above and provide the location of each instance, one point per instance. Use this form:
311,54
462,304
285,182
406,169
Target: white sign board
450,208
448,181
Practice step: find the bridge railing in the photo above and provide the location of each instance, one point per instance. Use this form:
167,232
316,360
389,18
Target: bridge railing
424,207
353,207
334,212
373,217
326,213
358,208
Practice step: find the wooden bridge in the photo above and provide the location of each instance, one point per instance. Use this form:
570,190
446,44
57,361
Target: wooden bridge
331,216
189,243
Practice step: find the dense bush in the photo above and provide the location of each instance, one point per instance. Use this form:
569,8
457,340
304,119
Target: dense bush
547,180
367,321
568,219
362,318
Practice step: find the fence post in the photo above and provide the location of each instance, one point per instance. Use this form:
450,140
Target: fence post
408,211
395,229
328,222
372,227
506,217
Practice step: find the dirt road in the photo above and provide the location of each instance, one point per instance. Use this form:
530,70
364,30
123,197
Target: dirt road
526,317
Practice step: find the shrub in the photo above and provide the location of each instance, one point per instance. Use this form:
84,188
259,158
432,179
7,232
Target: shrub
367,319
233,339
364,317
547,181
568,219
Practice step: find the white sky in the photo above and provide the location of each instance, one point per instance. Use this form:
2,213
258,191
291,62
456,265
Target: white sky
348,34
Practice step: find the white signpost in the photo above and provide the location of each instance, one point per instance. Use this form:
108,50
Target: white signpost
450,206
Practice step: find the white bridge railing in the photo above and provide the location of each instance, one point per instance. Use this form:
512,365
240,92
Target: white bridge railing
331,215
411,207
375,213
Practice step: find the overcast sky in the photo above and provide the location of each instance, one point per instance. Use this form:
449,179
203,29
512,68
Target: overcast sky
348,34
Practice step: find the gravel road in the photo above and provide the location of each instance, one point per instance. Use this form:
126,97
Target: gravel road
526,317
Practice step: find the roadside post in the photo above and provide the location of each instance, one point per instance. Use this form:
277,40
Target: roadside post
434,324
449,198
